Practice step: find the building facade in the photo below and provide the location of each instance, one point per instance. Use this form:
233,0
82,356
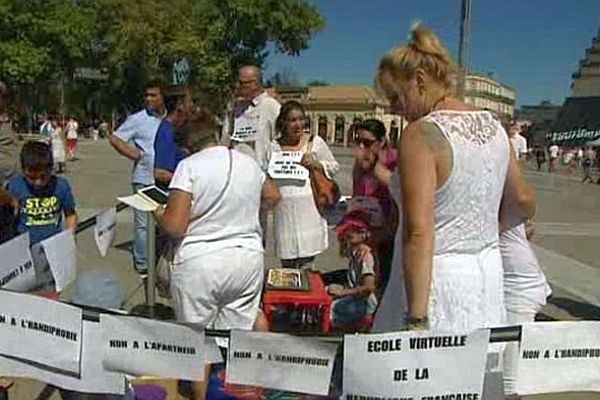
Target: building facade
333,109
586,81
483,91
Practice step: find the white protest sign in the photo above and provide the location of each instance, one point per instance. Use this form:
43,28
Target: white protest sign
245,128
60,253
568,351
138,346
40,330
16,266
280,361
415,365
94,378
286,165
105,230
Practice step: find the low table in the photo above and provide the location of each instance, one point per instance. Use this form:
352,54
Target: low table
316,297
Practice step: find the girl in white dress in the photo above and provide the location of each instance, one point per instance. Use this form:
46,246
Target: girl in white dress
452,169
300,231
57,142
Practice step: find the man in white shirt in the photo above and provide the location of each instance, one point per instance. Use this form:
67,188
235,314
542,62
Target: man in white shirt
553,150
519,143
254,116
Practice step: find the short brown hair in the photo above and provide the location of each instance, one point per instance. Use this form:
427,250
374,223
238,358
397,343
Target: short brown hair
200,129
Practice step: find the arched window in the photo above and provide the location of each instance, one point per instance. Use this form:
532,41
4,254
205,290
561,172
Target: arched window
353,131
322,128
339,130
394,132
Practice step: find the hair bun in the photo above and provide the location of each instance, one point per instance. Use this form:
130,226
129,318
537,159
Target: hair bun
423,40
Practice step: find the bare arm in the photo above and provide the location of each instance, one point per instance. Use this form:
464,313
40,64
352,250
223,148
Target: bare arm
176,217
71,221
517,191
418,179
124,149
163,176
270,195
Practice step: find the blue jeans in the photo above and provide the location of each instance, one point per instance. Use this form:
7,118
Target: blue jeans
140,235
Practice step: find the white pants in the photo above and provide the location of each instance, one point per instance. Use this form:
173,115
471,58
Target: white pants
511,353
219,290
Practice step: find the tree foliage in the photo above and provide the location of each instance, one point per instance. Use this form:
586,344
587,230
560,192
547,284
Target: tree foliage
43,41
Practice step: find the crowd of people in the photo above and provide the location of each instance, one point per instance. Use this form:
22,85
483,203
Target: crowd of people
585,159
449,251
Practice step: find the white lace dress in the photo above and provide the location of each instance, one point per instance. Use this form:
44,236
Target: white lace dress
466,290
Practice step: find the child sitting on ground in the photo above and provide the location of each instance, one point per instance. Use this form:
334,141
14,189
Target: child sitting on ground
43,199
356,298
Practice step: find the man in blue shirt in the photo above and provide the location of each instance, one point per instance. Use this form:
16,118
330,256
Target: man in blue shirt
134,139
168,150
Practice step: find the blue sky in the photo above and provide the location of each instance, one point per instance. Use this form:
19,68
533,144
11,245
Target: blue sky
532,45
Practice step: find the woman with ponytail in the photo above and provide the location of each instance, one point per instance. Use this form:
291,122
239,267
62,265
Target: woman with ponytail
453,167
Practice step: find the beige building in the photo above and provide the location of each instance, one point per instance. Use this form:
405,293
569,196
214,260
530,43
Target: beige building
483,91
333,109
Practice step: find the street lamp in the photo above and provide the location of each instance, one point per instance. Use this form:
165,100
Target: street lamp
463,48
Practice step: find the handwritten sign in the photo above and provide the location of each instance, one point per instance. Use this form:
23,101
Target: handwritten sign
94,378
138,346
60,253
279,361
40,330
16,265
286,165
245,128
105,230
415,365
569,350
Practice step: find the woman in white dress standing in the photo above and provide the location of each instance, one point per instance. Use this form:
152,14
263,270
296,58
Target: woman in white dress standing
300,231
453,165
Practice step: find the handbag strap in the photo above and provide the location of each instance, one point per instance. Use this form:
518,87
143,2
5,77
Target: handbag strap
221,193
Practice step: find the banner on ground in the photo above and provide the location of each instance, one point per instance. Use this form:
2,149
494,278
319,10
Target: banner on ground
138,346
568,351
415,365
105,230
94,378
40,330
16,265
61,255
280,361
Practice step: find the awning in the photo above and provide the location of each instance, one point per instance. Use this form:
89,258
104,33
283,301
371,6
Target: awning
577,122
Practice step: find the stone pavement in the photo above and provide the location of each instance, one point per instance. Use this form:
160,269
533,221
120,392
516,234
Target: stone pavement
567,240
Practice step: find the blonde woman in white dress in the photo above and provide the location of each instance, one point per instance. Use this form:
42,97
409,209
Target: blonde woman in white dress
454,163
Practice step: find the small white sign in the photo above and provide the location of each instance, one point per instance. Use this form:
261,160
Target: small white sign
245,128
286,165
40,330
94,378
61,255
279,361
569,351
415,365
138,346
16,265
139,203
105,230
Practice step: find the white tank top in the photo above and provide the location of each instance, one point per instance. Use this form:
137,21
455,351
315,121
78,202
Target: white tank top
467,205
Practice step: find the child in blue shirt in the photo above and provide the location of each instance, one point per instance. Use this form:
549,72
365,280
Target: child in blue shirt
46,203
